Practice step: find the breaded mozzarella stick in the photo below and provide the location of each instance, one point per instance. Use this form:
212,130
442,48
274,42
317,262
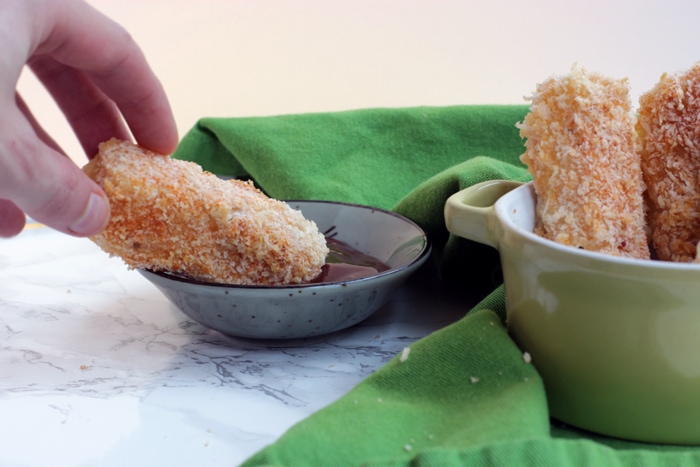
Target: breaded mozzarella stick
169,215
580,150
669,134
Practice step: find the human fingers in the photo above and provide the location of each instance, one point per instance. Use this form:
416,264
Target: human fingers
50,189
92,115
12,219
102,53
38,129
42,182
93,215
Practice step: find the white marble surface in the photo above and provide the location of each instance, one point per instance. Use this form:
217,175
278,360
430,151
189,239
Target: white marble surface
98,369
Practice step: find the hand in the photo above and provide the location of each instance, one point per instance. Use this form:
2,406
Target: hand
100,79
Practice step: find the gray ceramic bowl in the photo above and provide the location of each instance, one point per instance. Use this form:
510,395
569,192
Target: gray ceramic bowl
299,311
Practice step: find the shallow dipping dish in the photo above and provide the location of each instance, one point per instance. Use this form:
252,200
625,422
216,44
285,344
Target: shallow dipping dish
299,311
616,340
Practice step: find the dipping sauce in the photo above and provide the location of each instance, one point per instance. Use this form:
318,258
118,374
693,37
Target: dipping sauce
345,263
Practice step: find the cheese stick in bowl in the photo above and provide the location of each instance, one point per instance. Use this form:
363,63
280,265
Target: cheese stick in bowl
669,133
580,150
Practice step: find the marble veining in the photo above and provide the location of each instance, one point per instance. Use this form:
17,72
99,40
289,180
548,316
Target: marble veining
99,369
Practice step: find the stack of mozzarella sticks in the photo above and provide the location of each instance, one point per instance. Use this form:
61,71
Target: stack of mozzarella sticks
608,180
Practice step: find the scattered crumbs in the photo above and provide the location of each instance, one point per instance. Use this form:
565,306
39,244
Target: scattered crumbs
474,379
527,358
404,354
492,323
379,399
84,367
63,422
407,447
206,445
68,291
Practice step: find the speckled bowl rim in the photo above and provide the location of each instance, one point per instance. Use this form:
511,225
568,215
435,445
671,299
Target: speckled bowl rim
427,248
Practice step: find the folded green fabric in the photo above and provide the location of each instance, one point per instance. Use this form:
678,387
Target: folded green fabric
434,399
373,157
463,395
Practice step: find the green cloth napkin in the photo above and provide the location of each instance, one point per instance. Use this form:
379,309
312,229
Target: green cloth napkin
373,157
463,395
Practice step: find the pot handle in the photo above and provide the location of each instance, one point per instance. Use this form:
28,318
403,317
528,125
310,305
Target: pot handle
470,213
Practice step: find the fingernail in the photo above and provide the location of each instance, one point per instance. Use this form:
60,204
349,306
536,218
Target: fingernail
94,217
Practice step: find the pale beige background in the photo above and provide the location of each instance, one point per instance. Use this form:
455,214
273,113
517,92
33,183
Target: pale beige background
266,57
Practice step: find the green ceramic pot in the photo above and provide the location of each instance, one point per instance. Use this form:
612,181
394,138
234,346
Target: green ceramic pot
616,340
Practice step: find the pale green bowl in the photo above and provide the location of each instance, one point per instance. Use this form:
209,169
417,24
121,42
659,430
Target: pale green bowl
616,340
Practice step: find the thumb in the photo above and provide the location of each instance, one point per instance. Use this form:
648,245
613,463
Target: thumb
12,219
60,187
49,187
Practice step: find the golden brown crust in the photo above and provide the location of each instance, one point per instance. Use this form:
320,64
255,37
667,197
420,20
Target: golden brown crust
169,215
580,150
669,134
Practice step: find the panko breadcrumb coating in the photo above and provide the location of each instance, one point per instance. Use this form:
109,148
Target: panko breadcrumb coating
669,132
169,215
580,150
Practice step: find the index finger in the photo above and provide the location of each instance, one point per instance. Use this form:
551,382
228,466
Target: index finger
79,36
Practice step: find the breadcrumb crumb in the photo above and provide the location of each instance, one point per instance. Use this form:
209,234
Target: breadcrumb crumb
404,354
